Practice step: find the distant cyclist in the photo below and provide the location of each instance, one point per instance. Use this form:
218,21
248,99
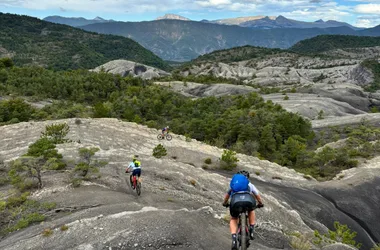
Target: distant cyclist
240,183
166,129
135,166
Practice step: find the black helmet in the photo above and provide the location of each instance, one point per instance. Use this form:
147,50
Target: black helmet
245,173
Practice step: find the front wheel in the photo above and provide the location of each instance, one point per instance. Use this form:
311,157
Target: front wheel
243,231
138,188
168,137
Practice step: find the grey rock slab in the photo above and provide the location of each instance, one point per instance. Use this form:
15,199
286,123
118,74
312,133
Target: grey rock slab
129,68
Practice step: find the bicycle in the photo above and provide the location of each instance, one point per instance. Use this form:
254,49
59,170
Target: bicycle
243,238
136,185
166,136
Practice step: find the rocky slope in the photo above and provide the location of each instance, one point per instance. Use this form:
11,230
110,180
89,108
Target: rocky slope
128,68
180,203
333,85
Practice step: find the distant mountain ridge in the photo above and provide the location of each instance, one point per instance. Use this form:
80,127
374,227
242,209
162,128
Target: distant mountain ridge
75,21
172,17
178,40
283,22
257,22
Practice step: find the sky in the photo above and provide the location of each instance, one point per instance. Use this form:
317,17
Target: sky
361,13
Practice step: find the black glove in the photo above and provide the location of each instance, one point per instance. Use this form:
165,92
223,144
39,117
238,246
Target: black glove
260,205
225,204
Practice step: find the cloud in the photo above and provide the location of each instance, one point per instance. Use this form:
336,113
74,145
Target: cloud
368,21
368,8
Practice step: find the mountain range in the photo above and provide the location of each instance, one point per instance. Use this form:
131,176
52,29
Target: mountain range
178,40
75,21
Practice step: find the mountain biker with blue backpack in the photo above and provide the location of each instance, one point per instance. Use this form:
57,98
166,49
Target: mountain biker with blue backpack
135,165
240,184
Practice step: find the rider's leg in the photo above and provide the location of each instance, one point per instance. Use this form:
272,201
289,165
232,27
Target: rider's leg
233,229
252,217
252,221
233,225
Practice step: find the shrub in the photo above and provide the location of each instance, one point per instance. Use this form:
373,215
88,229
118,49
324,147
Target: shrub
159,151
45,148
286,97
17,200
300,243
56,132
187,138
27,220
320,115
64,228
257,173
55,164
193,182
376,247
208,161
229,159
341,234
75,182
47,232
86,164
204,166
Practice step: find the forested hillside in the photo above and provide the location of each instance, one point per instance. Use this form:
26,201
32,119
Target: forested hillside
30,41
324,43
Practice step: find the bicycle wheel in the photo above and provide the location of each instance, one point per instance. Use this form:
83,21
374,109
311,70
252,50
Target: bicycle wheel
159,136
138,188
168,137
243,231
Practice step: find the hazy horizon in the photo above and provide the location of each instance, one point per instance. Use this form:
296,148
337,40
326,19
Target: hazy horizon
360,13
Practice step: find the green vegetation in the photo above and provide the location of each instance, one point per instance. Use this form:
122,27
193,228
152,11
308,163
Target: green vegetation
374,66
64,228
56,133
18,212
47,232
324,43
237,54
60,47
87,164
341,234
229,160
159,151
376,247
15,110
208,161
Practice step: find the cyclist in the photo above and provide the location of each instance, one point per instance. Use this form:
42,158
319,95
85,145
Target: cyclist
240,183
135,165
166,129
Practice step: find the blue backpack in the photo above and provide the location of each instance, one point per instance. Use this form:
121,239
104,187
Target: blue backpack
239,183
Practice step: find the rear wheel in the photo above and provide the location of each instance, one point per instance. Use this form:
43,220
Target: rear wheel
168,137
243,231
159,136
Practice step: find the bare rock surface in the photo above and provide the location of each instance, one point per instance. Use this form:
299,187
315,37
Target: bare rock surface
180,206
129,68
195,90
